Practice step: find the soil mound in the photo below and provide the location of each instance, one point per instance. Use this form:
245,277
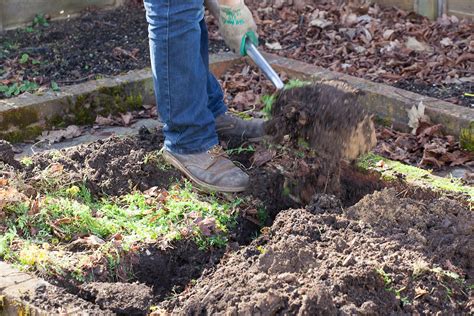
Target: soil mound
113,166
121,298
57,301
322,259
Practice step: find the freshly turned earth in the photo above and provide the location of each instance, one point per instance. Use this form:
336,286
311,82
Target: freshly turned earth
364,252
323,259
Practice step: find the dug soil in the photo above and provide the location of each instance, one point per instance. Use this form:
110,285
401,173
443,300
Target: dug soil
319,254
384,255
363,41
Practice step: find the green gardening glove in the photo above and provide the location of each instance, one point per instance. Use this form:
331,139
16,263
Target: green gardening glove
236,24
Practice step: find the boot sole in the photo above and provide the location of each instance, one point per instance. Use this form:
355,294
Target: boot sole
201,184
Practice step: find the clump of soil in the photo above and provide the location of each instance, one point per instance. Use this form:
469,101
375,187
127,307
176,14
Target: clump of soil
329,119
56,300
7,155
113,166
121,298
325,259
328,124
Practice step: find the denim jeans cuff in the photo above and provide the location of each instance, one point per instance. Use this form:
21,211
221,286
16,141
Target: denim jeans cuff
222,109
187,151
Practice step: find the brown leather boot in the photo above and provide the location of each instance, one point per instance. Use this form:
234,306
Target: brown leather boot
229,126
211,170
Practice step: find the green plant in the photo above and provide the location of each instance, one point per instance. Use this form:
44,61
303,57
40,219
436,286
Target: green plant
15,88
40,20
26,161
24,58
466,137
55,86
262,215
387,280
240,150
156,158
268,101
66,213
295,83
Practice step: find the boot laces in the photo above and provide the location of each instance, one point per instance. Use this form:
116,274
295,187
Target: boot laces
216,152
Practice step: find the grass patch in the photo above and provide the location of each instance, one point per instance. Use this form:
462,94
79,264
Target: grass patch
40,234
268,100
391,170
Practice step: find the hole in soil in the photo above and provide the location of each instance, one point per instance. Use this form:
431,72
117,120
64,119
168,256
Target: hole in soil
169,271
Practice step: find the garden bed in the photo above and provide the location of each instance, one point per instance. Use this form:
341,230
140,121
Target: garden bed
362,41
143,239
115,229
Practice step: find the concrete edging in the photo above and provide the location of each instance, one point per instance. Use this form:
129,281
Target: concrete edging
30,114
25,116
13,285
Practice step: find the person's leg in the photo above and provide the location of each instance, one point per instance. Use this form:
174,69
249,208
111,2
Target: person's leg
181,76
178,72
214,92
227,126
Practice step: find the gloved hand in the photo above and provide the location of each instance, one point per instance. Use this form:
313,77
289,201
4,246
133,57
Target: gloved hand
236,23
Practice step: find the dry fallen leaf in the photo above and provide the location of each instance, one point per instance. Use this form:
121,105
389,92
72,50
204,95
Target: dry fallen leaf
126,118
446,41
413,44
207,226
101,120
415,115
261,157
56,136
274,46
419,292
10,195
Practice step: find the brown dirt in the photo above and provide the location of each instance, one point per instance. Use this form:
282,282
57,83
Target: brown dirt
113,166
325,259
322,258
170,270
328,117
7,155
327,124
56,300
121,298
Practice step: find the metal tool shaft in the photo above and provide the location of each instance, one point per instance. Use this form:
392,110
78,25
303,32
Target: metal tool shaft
263,64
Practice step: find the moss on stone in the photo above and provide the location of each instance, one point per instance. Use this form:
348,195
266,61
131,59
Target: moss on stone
106,101
80,110
383,121
20,135
18,117
466,137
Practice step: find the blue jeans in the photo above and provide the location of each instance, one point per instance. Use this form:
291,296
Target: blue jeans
188,95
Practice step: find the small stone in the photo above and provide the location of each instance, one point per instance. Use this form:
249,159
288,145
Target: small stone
287,277
348,261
